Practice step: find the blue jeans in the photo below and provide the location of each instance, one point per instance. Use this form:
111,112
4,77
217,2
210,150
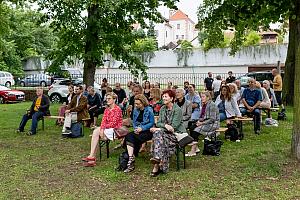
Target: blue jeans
35,117
256,117
223,117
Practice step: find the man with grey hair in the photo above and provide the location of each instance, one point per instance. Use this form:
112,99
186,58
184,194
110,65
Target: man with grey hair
251,99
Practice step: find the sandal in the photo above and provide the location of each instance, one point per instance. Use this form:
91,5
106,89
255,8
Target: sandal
89,164
87,159
154,160
190,154
130,165
154,174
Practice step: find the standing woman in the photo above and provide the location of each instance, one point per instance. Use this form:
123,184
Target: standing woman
143,120
164,140
112,118
208,122
228,107
104,85
147,89
62,108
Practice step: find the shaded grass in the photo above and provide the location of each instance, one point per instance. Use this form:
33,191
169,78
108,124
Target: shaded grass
46,167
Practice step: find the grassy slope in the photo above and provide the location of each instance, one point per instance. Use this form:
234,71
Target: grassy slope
44,166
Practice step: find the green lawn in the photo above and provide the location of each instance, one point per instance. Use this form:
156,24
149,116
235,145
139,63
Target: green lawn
46,167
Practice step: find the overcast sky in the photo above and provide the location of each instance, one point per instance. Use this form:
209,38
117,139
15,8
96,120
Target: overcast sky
189,7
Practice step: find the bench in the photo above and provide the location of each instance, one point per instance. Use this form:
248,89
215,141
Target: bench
268,111
240,121
60,117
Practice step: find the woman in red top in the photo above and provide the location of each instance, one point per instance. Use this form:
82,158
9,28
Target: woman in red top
112,118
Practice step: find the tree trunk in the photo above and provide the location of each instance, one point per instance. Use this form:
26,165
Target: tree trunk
90,58
288,82
296,107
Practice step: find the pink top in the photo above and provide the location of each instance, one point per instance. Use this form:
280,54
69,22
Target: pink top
112,118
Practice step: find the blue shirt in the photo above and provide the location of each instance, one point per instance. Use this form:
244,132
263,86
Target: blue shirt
252,96
194,99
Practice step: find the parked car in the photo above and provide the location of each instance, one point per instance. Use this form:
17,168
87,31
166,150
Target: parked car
6,79
7,95
36,80
58,91
258,76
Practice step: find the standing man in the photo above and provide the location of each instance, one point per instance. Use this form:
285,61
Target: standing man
230,78
277,87
39,108
208,81
76,111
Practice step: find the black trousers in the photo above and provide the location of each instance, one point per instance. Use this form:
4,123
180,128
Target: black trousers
136,140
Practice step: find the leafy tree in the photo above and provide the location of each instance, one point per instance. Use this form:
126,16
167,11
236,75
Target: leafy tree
106,27
252,39
215,16
144,45
140,33
186,44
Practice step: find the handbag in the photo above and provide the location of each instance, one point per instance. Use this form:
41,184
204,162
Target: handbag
121,132
212,147
183,139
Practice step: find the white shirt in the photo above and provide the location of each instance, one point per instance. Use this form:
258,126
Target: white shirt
216,85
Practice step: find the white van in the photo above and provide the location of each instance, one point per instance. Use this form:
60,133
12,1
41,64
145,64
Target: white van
6,79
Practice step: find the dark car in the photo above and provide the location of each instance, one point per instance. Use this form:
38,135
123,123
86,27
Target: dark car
8,95
258,76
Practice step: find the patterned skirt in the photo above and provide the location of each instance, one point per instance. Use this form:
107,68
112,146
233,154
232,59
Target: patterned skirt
163,148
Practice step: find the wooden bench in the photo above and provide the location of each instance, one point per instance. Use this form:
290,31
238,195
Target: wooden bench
269,110
222,130
60,117
240,121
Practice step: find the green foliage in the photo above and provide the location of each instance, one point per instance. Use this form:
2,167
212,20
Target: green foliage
140,33
184,44
252,39
21,36
216,16
107,25
144,45
208,44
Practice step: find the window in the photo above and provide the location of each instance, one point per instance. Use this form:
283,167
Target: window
156,33
182,36
178,26
177,37
166,34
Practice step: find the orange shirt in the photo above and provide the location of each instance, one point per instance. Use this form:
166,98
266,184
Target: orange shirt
37,104
277,83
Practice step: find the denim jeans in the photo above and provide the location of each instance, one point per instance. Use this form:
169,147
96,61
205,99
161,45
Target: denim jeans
223,117
256,117
35,117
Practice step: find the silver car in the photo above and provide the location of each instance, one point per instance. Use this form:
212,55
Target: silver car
36,80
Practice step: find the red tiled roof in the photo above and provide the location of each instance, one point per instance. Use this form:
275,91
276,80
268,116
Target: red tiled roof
178,15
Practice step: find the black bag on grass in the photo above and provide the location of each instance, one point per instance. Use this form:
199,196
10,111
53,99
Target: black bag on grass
232,133
123,160
212,147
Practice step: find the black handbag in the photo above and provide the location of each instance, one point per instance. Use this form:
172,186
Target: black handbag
212,147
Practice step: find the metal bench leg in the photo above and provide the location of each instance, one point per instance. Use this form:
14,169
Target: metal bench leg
100,147
177,158
107,148
183,153
43,123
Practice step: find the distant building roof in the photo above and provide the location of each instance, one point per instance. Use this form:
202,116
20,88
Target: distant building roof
179,15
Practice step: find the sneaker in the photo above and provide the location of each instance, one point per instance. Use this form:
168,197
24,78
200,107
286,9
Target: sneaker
190,154
29,133
19,131
66,132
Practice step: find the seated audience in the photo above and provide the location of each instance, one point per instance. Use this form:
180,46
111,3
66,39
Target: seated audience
155,100
120,92
146,87
228,107
251,99
208,123
62,109
39,108
186,87
185,105
234,91
193,97
76,111
271,94
157,85
112,118
94,106
265,102
240,90
143,120
164,140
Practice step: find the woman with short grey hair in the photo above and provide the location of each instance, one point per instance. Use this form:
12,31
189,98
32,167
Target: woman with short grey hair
185,105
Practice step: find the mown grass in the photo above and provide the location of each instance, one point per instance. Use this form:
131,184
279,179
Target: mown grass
46,167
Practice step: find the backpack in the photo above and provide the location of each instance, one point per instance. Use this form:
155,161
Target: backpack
123,160
281,116
212,147
232,133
